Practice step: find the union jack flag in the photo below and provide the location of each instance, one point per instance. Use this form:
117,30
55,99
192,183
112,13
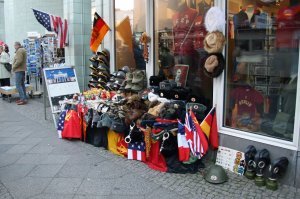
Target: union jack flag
195,136
54,24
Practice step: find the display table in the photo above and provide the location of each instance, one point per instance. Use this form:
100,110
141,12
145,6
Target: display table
11,90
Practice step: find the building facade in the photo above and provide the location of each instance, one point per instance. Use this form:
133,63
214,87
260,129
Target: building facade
256,96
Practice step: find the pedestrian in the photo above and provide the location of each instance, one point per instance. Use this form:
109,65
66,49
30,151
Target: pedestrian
4,73
19,68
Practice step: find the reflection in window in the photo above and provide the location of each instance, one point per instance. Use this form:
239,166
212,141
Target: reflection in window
179,34
261,79
130,24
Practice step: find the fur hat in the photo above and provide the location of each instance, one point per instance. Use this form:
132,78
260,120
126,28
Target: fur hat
215,20
214,65
214,42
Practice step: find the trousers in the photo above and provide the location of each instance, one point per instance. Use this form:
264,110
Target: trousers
20,85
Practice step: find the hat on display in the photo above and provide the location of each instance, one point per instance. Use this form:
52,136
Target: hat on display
103,67
93,58
137,87
94,75
105,53
104,75
155,80
103,59
102,81
128,85
119,81
179,93
215,20
121,74
109,85
129,76
193,98
93,80
214,65
112,79
93,67
126,69
214,42
138,76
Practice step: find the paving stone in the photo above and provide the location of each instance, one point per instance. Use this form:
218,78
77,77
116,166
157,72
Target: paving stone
5,147
15,171
106,170
163,194
55,159
31,140
30,159
8,159
64,185
27,187
20,148
73,171
40,149
98,187
53,196
10,140
45,171
92,197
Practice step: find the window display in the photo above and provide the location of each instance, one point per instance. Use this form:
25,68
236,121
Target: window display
130,24
179,34
262,67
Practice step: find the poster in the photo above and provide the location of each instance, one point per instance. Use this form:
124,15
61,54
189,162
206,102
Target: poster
180,73
231,160
61,83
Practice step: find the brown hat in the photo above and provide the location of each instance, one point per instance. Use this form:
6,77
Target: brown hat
214,65
211,63
214,42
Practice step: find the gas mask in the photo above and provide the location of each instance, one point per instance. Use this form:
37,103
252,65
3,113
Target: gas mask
276,170
262,160
250,163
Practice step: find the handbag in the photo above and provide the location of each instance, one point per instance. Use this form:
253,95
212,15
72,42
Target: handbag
8,67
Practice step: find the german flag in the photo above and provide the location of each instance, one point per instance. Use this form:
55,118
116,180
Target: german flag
210,128
100,28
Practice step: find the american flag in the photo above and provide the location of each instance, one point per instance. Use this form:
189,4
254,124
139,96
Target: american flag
61,122
194,136
54,24
136,151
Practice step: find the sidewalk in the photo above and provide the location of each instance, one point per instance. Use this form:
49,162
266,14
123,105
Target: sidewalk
34,163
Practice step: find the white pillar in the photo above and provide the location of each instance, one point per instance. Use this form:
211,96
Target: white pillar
78,14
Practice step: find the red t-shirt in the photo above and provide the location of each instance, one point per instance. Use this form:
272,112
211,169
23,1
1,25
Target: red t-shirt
183,31
247,100
199,32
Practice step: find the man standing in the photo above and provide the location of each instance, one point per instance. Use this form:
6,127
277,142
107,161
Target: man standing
19,67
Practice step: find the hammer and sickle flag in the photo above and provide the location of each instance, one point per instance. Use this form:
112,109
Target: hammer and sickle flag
100,28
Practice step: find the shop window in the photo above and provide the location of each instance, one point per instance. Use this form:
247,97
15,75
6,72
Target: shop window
262,67
130,23
179,33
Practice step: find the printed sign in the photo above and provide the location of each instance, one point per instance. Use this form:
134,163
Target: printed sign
231,160
61,83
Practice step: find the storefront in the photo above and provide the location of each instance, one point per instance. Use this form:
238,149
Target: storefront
256,97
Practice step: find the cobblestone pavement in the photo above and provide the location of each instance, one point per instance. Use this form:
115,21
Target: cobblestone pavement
34,163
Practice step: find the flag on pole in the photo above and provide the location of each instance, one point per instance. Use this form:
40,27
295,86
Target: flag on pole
183,146
210,128
54,24
194,136
100,28
201,139
136,151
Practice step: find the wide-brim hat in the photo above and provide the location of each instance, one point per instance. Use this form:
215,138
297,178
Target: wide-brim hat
214,42
215,61
138,76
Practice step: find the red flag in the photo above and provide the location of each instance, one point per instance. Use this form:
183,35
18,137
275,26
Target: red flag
183,146
72,126
210,128
100,28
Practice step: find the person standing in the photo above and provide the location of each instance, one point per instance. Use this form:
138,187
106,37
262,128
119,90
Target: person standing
4,73
19,68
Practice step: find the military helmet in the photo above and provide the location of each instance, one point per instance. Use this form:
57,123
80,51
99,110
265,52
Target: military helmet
216,175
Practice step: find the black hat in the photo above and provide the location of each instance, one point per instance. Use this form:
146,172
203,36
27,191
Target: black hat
91,85
155,80
165,93
214,62
179,93
105,53
138,76
103,59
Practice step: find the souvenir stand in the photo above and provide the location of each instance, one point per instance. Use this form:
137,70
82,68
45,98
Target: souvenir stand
34,62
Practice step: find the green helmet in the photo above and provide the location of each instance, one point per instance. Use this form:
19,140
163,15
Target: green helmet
216,175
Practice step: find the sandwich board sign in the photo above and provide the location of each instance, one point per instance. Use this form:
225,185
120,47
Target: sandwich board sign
61,83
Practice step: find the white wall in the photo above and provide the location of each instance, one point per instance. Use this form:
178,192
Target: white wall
19,18
2,27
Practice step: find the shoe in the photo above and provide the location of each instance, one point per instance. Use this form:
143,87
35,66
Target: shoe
18,101
22,103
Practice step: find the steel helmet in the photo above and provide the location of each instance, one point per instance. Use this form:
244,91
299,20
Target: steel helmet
216,175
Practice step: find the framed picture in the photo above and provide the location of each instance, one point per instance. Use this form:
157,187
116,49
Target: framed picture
180,74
